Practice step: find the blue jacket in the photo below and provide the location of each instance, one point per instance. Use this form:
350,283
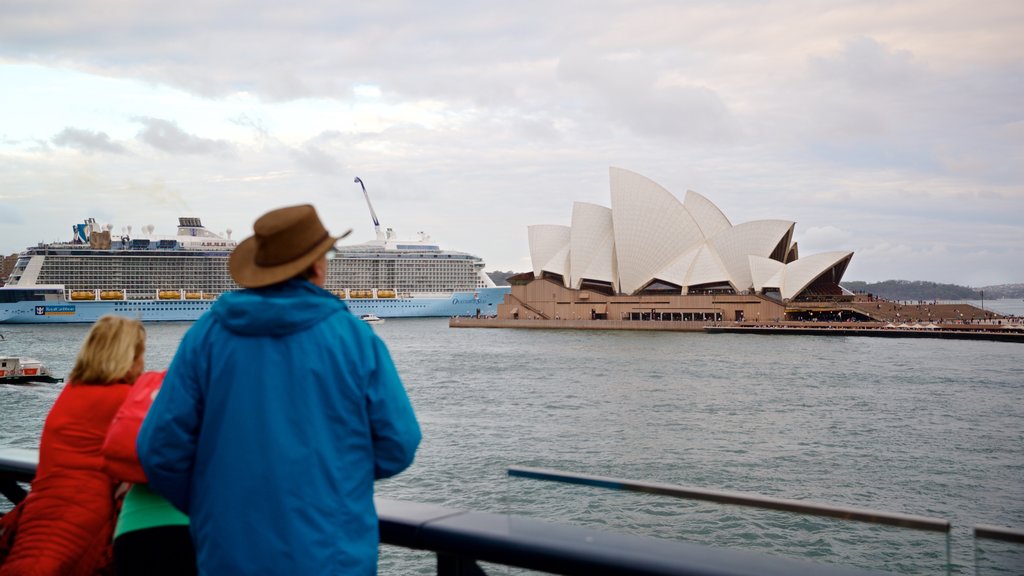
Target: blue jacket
279,410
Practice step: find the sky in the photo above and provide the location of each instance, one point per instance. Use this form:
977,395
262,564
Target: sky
893,129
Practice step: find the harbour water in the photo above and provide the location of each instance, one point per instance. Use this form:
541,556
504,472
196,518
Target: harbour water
925,427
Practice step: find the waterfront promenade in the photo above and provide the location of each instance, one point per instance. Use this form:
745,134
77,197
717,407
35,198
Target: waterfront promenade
1003,331
897,311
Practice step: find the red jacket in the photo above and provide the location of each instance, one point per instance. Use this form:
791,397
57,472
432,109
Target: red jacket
67,521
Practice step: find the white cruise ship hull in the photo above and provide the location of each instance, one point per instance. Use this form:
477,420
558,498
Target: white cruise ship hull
64,312
482,301
177,278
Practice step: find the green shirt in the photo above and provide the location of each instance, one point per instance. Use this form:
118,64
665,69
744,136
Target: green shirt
143,508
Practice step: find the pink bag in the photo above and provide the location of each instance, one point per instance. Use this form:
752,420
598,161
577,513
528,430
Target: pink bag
120,460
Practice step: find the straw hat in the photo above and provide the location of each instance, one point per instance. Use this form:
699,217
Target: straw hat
285,242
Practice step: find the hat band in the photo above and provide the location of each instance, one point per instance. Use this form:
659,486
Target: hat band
264,260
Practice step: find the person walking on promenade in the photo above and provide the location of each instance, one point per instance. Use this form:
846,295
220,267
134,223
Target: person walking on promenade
65,525
278,412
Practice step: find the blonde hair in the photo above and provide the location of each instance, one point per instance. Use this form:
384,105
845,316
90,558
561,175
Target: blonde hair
109,351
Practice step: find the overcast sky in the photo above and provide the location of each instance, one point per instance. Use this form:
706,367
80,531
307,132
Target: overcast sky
894,129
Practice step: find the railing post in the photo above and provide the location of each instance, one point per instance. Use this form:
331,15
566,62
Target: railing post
12,491
452,565
994,533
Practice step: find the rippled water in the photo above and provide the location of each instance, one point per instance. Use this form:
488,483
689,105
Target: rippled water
925,427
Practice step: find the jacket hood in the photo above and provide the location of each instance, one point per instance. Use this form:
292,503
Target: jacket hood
276,310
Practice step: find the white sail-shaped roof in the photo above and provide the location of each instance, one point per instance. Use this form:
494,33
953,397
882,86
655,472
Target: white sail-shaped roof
677,270
707,268
757,238
800,273
549,249
651,227
707,215
766,273
793,253
592,245
648,235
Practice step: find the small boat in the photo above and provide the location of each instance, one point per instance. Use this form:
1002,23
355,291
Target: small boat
371,319
14,370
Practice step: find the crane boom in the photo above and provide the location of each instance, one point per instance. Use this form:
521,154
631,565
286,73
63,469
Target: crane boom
376,223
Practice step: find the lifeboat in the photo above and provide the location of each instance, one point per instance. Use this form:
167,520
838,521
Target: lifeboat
193,295
83,295
340,294
112,295
169,294
360,293
385,293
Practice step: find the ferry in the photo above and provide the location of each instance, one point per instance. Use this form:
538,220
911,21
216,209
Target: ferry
371,319
178,278
23,370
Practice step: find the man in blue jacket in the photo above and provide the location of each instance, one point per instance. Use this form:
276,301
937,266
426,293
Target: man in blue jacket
277,414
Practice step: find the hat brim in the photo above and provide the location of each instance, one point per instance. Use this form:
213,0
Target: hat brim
248,274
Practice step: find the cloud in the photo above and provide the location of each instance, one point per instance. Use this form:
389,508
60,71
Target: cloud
873,105
10,215
637,94
824,239
316,160
165,135
866,64
88,141
873,122
255,124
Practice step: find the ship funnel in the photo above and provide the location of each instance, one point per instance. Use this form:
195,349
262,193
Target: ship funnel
376,223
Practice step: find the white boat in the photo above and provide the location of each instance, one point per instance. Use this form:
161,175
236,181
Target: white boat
371,319
22,370
177,278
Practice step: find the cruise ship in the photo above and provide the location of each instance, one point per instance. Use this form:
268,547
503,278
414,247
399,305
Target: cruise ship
177,278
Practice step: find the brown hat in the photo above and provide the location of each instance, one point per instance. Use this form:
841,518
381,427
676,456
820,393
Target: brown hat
285,242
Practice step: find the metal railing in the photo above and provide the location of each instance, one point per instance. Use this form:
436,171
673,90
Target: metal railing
986,532
736,498
460,539
998,534
749,500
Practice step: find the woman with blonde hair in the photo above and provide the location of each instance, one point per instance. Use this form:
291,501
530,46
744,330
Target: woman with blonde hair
65,524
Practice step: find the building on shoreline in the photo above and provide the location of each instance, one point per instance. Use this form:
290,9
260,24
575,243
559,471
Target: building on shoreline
652,257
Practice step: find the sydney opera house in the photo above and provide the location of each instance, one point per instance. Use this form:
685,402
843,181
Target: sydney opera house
651,257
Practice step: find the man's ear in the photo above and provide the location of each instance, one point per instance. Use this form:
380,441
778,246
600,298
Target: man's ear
319,269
